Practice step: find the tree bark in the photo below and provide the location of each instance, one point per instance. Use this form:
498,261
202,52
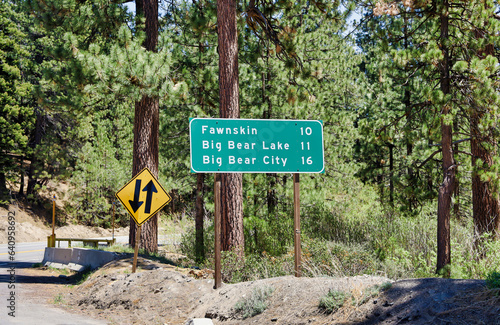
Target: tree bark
21,173
449,167
391,174
39,126
456,190
4,193
146,127
232,194
485,202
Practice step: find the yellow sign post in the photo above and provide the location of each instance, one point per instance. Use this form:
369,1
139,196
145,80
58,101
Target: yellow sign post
143,196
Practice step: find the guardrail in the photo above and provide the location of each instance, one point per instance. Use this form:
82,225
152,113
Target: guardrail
51,241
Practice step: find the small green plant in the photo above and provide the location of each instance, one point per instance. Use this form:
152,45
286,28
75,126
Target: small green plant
493,280
83,275
385,286
332,301
58,270
371,292
118,248
255,304
59,299
36,265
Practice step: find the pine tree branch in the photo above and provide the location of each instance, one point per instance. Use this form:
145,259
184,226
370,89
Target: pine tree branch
119,2
455,142
428,159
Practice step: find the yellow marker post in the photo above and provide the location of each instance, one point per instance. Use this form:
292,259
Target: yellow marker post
53,216
51,240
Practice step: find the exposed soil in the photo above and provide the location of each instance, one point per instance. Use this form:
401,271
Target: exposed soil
163,294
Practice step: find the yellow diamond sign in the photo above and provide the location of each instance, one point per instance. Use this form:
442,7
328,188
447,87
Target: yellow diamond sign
143,196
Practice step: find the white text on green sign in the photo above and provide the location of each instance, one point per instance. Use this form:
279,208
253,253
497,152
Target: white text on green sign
256,146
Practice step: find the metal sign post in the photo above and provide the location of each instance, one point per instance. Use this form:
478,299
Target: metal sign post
113,223
136,250
217,226
296,224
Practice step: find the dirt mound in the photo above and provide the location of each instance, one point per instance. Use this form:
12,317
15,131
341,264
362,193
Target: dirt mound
164,294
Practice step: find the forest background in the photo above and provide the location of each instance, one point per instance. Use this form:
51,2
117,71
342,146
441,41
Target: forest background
408,95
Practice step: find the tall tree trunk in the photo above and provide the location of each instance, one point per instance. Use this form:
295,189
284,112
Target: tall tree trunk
391,175
39,126
449,167
199,218
456,190
409,121
485,202
146,126
4,193
231,184
200,178
21,173
271,193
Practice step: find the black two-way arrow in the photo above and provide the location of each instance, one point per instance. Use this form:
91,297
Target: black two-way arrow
136,204
149,189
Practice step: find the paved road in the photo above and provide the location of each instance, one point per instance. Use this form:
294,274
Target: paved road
26,313
11,281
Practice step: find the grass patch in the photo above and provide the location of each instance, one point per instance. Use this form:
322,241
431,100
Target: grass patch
60,271
118,248
360,297
59,299
255,304
332,301
125,249
82,276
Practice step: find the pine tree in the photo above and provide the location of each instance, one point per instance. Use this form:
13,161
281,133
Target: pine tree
99,39
324,84
16,120
194,69
440,56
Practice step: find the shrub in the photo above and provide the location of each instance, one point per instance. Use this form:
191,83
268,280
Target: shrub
255,304
493,280
322,257
254,267
188,242
332,301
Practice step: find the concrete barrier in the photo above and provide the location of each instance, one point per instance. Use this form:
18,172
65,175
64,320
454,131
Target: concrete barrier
58,255
76,259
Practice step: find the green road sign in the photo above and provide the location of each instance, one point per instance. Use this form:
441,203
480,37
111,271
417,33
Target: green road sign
256,146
